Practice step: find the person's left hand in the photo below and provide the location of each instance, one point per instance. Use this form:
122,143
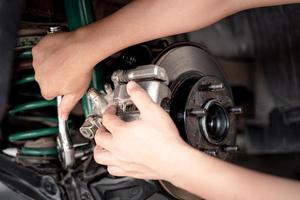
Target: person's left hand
143,148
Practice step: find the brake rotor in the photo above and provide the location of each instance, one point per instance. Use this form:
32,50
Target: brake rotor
201,103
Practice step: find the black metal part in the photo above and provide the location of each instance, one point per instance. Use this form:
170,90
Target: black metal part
201,115
200,102
216,123
27,181
110,188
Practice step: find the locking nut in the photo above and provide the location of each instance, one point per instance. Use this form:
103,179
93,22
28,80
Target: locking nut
90,126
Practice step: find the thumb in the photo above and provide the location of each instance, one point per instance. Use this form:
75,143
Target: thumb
68,102
140,98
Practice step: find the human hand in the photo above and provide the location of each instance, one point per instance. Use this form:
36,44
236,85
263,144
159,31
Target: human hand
142,148
63,66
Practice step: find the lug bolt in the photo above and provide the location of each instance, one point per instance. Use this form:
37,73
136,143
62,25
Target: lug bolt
212,152
53,29
198,112
230,148
236,110
216,87
212,87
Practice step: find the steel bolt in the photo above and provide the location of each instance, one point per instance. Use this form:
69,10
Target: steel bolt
198,112
216,87
54,29
235,110
212,87
230,148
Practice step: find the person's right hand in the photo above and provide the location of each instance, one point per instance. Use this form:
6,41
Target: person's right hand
63,66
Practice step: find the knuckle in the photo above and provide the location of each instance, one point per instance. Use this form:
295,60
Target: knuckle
37,78
98,137
34,64
111,170
46,94
106,119
97,158
114,171
35,50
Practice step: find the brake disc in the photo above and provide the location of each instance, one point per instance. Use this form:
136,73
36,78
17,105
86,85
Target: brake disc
201,103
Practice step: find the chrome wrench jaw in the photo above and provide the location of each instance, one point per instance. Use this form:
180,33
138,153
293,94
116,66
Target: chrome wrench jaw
65,146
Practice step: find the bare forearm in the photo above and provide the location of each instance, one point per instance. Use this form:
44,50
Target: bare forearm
144,20
215,179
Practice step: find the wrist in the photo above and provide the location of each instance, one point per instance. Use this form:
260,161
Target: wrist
98,41
93,47
176,162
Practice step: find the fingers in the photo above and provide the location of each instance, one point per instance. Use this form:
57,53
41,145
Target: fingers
47,96
111,121
115,171
140,98
68,102
103,157
104,139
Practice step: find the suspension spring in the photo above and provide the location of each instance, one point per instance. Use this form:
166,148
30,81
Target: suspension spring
29,108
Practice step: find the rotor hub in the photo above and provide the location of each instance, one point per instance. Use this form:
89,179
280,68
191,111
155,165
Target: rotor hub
200,106
201,103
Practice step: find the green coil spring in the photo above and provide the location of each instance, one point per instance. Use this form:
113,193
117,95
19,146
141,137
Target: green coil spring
39,103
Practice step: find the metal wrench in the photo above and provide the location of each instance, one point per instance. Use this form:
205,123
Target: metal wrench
65,147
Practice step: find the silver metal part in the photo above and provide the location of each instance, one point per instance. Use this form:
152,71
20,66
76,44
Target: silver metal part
231,148
216,87
156,90
64,143
153,72
236,110
145,72
54,29
121,98
90,126
152,78
198,112
99,103
65,146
